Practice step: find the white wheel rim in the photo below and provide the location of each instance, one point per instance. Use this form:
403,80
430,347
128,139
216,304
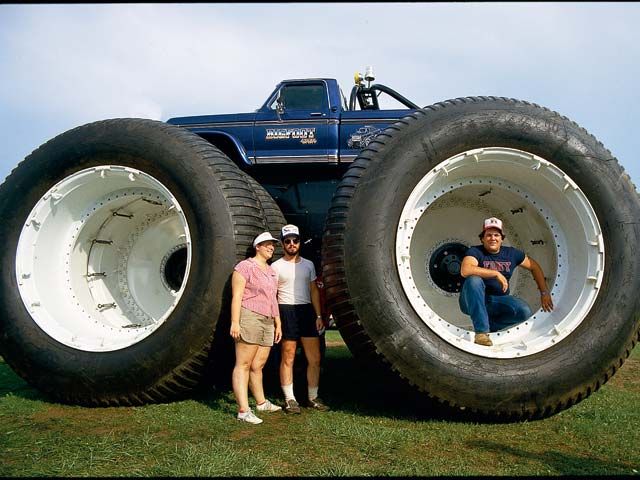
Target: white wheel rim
91,258
544,213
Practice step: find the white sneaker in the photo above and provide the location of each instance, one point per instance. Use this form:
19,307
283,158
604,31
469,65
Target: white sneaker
267,406
249,417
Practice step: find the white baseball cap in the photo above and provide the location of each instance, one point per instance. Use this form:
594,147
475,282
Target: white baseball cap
289,230
263,237
492,222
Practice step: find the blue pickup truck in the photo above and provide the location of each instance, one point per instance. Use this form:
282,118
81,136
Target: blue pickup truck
301,121
119,238
299,143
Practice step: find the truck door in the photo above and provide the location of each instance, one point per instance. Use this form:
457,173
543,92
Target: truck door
300,132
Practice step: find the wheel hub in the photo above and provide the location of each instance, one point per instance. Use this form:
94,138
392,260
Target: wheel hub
174,266
444,266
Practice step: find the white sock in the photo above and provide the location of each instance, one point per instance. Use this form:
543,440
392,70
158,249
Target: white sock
288,391
313,393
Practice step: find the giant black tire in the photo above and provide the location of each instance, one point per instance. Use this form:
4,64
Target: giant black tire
201,198
440,171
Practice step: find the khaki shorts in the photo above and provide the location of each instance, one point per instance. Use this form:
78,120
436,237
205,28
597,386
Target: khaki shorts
256,328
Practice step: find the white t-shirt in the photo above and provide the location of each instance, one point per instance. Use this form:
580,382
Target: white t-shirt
293,280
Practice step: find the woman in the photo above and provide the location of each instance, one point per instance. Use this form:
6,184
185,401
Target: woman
255,325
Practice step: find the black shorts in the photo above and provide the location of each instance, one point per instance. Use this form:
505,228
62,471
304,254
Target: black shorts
298,321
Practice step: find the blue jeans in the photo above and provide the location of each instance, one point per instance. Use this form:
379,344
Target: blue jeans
490,313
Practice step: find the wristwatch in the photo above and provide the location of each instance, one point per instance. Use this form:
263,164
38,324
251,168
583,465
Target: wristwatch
544,292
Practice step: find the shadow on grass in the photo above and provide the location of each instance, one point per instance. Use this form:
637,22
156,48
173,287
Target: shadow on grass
354,386
557,462
347,385
12,384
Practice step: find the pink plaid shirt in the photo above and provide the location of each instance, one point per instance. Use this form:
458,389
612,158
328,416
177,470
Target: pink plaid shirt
261,289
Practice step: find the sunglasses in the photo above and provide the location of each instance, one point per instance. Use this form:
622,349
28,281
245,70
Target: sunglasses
288,241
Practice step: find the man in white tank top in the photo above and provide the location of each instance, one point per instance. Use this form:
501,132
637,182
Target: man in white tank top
300,314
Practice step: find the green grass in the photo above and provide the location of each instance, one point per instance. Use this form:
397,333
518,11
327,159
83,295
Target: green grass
370,431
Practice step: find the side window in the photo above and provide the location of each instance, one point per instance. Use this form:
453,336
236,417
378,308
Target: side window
303,97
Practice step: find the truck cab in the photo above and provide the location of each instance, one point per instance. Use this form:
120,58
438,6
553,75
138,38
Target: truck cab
299,122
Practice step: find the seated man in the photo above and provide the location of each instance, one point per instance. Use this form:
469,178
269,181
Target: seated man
487,269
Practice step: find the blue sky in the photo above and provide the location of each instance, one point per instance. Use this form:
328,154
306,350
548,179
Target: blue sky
67,65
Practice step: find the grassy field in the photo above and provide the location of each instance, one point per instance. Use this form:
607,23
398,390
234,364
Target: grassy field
370,431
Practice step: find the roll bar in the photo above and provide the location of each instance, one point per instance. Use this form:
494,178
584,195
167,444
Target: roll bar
367,97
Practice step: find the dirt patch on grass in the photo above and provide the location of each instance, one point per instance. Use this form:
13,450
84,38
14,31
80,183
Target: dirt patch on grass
627,377
98,421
